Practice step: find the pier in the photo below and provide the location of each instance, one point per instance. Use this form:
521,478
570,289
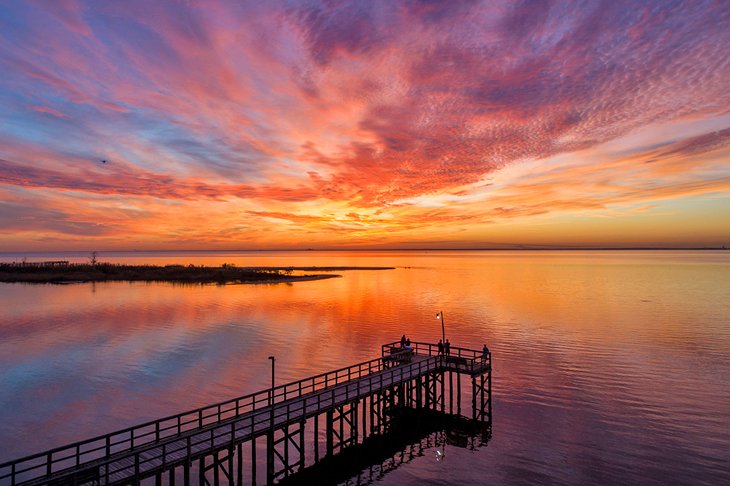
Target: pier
218,444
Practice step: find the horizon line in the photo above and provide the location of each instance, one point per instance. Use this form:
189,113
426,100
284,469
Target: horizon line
557,248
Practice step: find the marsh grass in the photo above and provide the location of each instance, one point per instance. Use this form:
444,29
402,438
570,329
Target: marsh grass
109,272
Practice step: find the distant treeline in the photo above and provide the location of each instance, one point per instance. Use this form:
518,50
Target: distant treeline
60,272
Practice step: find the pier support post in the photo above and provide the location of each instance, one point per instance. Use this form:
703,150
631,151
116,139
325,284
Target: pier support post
216,469
301,444
364,414
316,438
473,398
239,471
451,392
253,461
330,433
270,457
482,397
442,375
489,390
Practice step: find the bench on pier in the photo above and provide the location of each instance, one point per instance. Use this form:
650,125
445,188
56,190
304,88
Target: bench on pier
399,355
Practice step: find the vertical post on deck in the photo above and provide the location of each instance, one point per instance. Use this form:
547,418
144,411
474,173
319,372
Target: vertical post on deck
186,472
458,393
171,479
201,471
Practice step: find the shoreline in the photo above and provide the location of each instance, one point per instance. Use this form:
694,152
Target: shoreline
62,272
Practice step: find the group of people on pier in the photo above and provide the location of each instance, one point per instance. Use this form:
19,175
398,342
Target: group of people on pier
405,342
444,348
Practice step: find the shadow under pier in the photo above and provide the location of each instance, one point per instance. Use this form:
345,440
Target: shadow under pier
413,434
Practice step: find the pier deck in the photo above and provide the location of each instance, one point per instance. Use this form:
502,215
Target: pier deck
396,378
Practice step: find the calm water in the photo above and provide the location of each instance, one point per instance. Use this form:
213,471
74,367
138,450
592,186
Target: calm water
610,367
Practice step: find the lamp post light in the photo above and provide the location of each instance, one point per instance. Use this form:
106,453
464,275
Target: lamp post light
440,315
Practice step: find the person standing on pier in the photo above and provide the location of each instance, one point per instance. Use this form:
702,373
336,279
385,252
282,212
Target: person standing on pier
485,352
441,347
403,341
447,347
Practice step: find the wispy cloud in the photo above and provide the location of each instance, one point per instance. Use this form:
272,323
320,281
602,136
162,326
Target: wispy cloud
341,110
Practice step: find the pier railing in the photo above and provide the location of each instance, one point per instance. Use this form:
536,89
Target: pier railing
460,359
109,445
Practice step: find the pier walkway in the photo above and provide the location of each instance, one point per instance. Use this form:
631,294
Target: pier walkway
352,401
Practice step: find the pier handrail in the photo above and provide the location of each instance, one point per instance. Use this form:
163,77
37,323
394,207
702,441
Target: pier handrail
474,359
114,443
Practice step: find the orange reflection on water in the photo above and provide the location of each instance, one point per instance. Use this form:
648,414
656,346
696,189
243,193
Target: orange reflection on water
602,341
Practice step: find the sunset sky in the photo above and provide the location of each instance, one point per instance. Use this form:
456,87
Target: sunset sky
363,124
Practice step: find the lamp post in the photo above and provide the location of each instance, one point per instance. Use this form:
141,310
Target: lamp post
440,315
273,361
270,435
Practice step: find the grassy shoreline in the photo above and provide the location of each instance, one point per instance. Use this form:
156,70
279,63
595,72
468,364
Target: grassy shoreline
63,272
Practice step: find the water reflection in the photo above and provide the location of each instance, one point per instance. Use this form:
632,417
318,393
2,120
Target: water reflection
608,366
413,434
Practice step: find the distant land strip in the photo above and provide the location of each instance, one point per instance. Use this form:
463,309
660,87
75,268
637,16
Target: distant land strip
65,272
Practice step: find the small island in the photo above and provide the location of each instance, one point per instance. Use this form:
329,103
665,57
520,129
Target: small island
60,272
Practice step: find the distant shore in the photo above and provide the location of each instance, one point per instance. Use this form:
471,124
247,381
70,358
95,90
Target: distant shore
64,272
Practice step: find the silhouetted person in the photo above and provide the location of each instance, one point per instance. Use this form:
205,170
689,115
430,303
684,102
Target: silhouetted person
408,342
485,352
403,341
447,348
441,347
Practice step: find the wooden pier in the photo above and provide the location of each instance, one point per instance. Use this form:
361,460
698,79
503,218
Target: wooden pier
219,443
